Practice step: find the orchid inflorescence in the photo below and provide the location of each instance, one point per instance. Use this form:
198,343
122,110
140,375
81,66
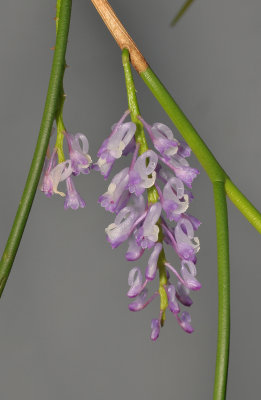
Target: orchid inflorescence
138,220
55,172
141,222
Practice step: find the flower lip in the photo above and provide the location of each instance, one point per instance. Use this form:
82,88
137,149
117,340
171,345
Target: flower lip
81,160
73,200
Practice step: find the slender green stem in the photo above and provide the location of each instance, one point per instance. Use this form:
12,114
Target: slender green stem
218,178
133,103
50,110
223,292
200,149
135,112
153,195
243,204
181,12
59,114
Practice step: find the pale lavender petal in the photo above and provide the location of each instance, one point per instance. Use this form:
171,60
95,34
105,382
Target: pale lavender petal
187,244
134,251
78,151
153,262
155,329
135,282
116,192
120,139
181,168
121,229
135,183
182,294
140,302
195,222
187,174
173,304
174,200
184,150
188,273
73,200
147,235
185,322
130,148
164,140
59,173
143,175
47,183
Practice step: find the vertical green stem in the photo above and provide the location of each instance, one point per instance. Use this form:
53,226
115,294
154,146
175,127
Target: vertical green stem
133,103
152,192
135,112
59,114
222,356
52,99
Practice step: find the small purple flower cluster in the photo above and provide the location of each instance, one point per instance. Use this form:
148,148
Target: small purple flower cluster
78,162
142,223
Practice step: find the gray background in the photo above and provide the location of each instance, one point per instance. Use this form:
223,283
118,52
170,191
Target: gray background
65,329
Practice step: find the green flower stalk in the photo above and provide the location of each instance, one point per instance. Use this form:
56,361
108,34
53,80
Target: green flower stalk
50,111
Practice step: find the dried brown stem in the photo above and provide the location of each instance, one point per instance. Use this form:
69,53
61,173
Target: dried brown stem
120,34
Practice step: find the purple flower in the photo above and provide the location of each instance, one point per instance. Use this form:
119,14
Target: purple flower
175,201
143,175
187,245
153,262
185,322
47,183
140,302
181,168
134,251
113,147
147,234
73,199
81,160
54,175
135,282
172,300
155,329
162,138
188,273
116,196
184,150
121,229
143,224
182,294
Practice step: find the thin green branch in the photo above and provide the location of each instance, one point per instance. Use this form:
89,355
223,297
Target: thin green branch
222,356
153,195
135,112
200,149
181,12
243,204
54,91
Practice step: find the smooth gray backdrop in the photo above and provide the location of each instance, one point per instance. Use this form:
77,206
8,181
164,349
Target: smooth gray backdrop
65,329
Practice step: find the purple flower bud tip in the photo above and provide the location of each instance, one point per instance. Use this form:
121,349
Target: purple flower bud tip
140,302
185,322
182,294
155,329
135,282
